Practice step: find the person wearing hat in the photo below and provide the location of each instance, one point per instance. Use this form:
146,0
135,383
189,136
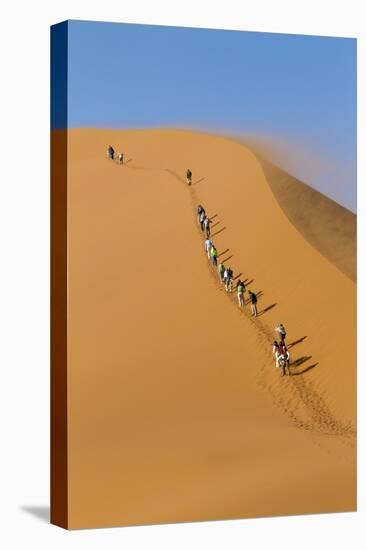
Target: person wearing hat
253,298
281,331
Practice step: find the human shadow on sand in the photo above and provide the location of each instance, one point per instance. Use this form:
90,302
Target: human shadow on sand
300,361
223,253
226,259
218,232
176,175
266,309
215,224
296,342
299,373
198,181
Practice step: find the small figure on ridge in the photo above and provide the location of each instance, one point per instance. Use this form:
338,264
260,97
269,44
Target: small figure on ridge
189,177
110,152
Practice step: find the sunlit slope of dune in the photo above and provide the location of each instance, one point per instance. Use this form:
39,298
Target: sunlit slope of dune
176,412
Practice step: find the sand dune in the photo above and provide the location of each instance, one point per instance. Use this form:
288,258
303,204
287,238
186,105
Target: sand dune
327,225
176,412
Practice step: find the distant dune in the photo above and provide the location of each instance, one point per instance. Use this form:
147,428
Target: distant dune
327,225
176,412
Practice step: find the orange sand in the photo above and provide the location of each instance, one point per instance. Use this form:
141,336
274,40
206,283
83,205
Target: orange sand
176,412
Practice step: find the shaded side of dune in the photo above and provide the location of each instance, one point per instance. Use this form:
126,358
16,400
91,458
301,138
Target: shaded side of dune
325,224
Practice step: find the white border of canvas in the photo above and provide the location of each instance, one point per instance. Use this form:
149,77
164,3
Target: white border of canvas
24,274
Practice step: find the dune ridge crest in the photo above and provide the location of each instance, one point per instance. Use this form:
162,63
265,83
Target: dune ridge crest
324,223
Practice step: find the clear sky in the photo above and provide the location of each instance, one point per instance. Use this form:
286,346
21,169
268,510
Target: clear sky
294,94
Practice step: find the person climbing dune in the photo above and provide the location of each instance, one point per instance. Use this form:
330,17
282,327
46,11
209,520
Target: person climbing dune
208,245
240,288
207,226
221,271
110,152
228,278
189,177
213,254
283,357
275,348
200,210
253,299
202,218
281,331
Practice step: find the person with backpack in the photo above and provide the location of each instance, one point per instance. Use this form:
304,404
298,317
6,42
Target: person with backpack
285,356
206,226
120,157
221,271
213,254
208,245
110,152
240,288
200,210
228,278
281,331
253,299
189,177
202,219
275,352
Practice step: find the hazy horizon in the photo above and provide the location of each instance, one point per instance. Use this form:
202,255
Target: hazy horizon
292,95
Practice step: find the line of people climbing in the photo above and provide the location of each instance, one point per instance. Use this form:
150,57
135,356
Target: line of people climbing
111,155
226,275
226,278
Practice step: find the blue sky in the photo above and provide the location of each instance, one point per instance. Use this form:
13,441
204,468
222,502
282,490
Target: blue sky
295,94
